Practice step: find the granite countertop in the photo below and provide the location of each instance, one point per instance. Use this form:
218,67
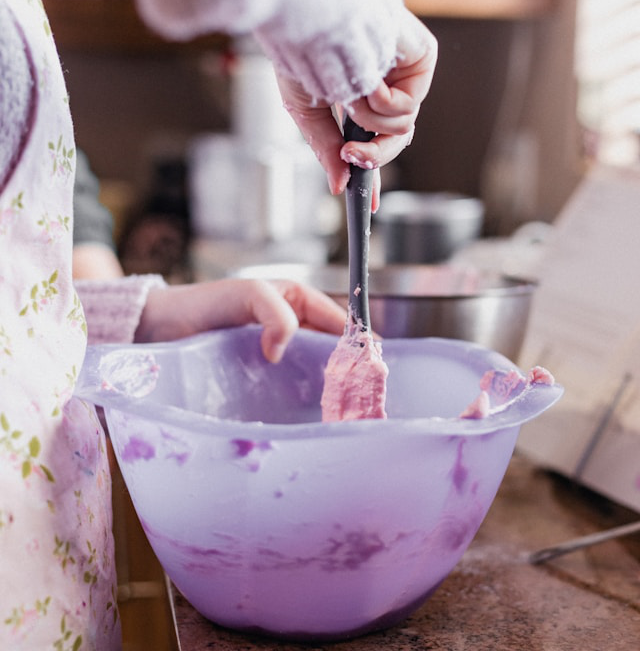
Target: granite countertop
495,599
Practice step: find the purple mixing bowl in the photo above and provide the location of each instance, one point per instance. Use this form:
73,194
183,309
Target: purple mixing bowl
268,520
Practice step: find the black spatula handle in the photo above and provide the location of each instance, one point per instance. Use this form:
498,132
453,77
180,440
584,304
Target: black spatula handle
358,199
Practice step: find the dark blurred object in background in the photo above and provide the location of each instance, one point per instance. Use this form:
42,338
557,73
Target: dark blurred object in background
156,237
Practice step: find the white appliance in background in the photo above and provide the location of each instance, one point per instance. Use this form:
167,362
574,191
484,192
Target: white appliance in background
260,188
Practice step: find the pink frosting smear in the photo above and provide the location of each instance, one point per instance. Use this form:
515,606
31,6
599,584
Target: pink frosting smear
540,375
502,387
479,408
355,380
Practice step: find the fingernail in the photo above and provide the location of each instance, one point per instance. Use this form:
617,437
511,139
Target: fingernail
354,159
338,185
350,158
277,353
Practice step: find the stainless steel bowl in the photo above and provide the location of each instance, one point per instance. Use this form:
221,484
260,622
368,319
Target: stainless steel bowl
427,300
423,227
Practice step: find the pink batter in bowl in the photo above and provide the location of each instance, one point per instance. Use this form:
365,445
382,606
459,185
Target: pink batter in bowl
268,520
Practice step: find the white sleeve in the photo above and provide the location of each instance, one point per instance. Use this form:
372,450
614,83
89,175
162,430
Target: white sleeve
182,20
338,50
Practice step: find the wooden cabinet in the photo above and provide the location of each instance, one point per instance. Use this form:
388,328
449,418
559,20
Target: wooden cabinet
111,26
114,25
502,9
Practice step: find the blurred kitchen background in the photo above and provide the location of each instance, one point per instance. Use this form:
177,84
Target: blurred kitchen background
203,170
192,147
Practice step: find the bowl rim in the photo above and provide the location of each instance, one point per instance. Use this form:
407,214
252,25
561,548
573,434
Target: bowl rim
532,401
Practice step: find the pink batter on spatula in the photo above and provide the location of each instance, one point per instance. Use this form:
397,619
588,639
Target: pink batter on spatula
355,380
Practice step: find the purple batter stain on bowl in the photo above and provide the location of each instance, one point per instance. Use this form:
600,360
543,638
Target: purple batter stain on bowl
179,457
354,549
250,453
453,533
137,449
245,448
180,451
344,552
460,472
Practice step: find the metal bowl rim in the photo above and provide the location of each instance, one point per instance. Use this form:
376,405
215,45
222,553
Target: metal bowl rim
515,286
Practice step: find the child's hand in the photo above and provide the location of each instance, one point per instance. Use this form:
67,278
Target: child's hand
390,111
281,306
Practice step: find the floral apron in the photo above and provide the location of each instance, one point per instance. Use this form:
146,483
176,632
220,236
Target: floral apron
57,568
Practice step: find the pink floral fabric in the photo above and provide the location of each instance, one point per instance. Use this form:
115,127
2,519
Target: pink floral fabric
56,548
